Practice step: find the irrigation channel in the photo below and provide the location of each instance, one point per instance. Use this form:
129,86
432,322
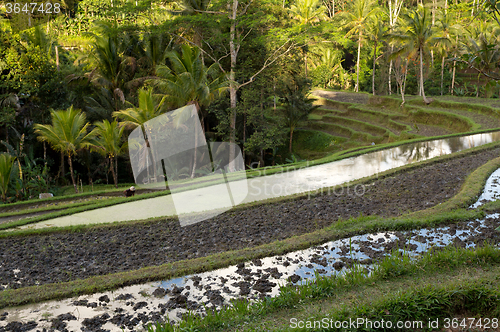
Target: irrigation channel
131,307
281,184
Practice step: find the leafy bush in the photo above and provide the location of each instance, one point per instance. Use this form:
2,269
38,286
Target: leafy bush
6,168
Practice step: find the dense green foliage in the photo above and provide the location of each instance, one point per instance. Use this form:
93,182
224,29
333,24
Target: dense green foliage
234,60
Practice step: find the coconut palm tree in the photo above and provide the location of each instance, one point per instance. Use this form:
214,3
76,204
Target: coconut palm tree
114,66
108,142
418,36
150,106
308,11
359,15
481,51
377,32
6,167
188,81
446,28
67,134
156,48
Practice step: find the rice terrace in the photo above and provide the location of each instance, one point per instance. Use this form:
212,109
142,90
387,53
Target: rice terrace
296,165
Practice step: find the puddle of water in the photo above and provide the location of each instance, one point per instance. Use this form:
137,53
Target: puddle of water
491,190
289,183
251,280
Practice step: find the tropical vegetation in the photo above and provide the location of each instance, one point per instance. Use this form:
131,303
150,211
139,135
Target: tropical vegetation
115,67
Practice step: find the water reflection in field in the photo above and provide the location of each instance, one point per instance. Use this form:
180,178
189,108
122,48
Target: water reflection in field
289,183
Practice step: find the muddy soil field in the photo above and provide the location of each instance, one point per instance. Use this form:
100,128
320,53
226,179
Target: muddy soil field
60,257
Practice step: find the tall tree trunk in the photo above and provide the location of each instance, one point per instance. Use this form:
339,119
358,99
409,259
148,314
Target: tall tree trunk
422,77
291,136
442,74
274,93
244,137
62,168
305,62
453,78
433,12
195,143
45,154
403,90
112,162
392,46
373,71
116,171
390,70
232,87
57,57
357,62
72,175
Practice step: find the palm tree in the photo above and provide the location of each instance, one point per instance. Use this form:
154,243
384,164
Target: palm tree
449,31
108,142
308,11
37,37
377,32
6,167
418,35
156,48
188,81
113,68
329,61
358,16
150,106
67,134
102,104
481,50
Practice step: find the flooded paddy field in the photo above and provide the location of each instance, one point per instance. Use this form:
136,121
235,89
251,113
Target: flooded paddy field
59,257
130,308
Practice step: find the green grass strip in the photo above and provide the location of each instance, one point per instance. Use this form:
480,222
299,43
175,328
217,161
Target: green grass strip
412,303
474,108
357,125
455,122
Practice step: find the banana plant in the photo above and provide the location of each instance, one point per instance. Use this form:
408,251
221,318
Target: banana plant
6,169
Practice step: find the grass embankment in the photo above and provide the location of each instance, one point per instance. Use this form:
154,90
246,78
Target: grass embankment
448,212
444,287
382,120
